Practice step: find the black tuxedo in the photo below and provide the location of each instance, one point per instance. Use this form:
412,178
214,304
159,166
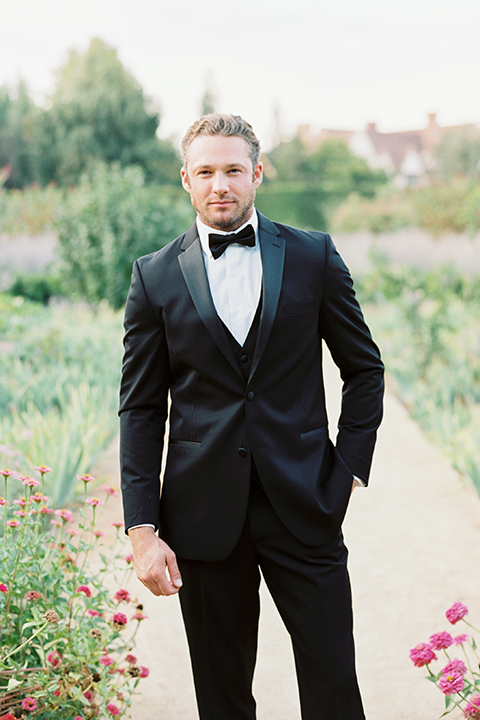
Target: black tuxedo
222,424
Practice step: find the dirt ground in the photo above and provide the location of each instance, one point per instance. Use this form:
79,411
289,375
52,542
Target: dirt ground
413,537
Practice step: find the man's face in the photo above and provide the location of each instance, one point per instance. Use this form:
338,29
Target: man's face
221,180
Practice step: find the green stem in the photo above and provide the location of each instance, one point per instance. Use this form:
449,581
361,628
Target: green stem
25,642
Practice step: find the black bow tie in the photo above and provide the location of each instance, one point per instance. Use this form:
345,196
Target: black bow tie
219,243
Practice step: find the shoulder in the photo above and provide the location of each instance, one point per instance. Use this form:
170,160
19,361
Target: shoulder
165,257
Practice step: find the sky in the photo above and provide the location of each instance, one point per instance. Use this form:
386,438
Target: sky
329,63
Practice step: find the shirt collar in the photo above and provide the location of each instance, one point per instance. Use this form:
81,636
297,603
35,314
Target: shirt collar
204,230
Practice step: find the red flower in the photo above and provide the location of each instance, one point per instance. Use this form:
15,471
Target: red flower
29,703
8,716
441,641
456,612
94,613
422,654
113,709
119,620
131,659
145,672
54,658
88,695
122,596
84,589
4,590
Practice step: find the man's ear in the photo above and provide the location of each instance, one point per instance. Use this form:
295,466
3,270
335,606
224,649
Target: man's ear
185,180
258,174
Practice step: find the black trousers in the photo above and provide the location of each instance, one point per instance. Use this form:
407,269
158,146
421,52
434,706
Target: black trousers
311,589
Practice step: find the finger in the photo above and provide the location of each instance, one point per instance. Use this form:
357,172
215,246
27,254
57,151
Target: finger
173,571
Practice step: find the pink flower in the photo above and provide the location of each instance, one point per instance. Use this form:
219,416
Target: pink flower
84,589
3,501
113,709
144,671
8,716
460,639
29,703
131,659
110,490
106,660
98,533
117,524
33,595
94,613
122,596
128,558
456,612
30,482
22,502
13,523
54,658
66,515
473,708
451,684
36,497
57,523
43,469
422,654
72,532
455,666
441,641
78,717
3,588
20,513
6,473
119,620
88,695
45,510
139,616
86,478
94,502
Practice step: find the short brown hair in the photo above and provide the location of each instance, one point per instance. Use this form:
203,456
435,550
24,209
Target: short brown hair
217,124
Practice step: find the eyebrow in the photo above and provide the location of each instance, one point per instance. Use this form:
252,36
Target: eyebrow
208,166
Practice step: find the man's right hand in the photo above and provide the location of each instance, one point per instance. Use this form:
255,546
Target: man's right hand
155,564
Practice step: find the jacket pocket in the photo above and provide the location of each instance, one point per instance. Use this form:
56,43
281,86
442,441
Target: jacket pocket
317,431
184,443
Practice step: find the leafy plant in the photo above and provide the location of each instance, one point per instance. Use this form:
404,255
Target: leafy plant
66,638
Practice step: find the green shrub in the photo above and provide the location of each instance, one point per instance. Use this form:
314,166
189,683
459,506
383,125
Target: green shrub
29,211
107,222
39,287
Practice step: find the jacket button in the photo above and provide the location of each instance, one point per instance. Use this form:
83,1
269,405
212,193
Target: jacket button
244,358
250,395
242,452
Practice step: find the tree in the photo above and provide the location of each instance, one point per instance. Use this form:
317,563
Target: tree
19,121
305,187
100,112
458,154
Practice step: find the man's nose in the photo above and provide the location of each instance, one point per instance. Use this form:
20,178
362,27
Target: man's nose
220,183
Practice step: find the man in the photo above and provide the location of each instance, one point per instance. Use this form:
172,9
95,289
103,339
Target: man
232,329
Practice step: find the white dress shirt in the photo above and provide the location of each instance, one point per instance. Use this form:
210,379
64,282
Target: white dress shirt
235,279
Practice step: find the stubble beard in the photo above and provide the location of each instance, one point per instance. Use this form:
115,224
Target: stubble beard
242,214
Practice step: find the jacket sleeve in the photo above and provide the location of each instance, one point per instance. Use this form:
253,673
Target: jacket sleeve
143,406
349,340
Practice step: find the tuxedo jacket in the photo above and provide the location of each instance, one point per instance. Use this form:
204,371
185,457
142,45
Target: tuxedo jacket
179,365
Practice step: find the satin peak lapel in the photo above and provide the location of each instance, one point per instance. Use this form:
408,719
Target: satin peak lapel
193,270
272,247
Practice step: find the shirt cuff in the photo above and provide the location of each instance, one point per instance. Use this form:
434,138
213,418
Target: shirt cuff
141,525
361,482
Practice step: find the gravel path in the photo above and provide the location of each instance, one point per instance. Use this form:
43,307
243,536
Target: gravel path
414,548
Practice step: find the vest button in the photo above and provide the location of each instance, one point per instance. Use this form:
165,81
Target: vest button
244,358
242,452
250,395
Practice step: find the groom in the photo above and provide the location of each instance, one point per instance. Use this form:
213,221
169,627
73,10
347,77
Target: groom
228,322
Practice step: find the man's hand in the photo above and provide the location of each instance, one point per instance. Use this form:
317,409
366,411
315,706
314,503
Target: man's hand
155,564
354,485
